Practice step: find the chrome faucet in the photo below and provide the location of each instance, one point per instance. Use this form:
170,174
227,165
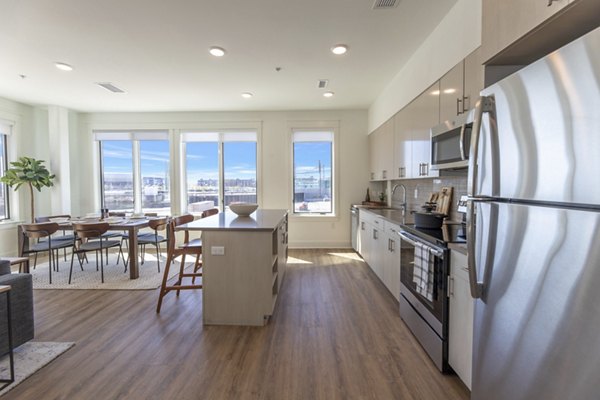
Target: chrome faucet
403,204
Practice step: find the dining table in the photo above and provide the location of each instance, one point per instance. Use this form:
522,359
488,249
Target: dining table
129,225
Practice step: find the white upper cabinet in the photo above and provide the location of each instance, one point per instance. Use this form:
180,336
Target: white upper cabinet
474,79
402,145
424,112
381,151
506,21
451,93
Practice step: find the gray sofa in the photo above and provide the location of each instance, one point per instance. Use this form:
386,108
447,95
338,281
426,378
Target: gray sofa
21,302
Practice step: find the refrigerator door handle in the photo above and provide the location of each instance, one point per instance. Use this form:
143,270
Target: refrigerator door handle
462,143
475,286
484,104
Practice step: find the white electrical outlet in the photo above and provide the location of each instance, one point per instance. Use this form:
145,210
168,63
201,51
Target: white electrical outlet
217,250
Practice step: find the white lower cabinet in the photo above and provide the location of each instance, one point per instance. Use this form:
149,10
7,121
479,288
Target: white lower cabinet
460,346
379,247
391,260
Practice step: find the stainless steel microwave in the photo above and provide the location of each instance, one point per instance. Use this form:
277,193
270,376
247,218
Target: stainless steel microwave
450,142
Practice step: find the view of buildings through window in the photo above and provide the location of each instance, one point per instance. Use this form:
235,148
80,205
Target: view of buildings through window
205,188
117,175
313,172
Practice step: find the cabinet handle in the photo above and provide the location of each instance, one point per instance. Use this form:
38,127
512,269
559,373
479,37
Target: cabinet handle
384,174
375,234
465,107
420,169
362,226
458,101
372,175
426,168
392,245
450,286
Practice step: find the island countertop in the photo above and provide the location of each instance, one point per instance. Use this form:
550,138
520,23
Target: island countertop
260,220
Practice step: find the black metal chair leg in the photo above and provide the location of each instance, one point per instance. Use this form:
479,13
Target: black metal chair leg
101,264
71,269
50,266
35,260
57,259
97,258
158,255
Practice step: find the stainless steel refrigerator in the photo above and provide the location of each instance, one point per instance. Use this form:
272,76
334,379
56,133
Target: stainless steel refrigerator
534,230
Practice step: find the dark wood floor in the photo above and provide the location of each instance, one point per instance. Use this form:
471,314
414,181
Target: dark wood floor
335,334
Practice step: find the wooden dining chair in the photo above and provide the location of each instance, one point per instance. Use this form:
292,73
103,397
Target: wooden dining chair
64,236
84,232
44,230
187,247
198,242
157,225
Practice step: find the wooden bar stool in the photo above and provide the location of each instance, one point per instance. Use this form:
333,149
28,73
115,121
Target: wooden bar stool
193,247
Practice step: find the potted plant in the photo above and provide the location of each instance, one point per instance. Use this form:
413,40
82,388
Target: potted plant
31,172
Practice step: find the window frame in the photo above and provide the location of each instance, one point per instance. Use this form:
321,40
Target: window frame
135,137
221,133
316,126
7,214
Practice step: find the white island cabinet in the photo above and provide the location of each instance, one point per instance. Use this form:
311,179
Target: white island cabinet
244,261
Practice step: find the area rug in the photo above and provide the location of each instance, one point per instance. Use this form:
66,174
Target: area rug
114,276
29,358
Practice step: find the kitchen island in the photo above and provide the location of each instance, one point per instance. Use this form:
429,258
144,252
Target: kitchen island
244,261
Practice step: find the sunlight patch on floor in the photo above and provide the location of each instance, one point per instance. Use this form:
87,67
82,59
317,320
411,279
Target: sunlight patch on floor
348,256
294,260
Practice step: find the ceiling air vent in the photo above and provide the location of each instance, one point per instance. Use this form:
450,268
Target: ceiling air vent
383,4
110,87
323,83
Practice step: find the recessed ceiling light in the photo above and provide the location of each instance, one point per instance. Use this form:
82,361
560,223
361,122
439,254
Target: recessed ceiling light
217,51
63,67
247,95
435,93
448,91
339,49
328,94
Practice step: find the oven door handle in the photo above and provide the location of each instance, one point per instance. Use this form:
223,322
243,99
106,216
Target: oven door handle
410,239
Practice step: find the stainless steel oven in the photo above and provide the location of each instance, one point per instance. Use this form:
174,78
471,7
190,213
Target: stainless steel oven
450,143
426,317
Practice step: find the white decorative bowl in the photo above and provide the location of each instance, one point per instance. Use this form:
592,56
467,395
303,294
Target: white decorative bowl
243,209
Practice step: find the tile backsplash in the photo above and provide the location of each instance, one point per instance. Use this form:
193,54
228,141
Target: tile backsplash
419,190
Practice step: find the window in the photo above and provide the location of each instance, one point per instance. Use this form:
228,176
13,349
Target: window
5,130
220,169
313,173
135,171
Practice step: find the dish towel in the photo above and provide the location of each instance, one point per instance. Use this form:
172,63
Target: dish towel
423,271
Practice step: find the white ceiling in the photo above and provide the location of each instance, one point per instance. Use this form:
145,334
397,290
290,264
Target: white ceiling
157,51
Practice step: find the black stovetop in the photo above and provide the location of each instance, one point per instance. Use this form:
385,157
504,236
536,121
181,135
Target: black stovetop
451,233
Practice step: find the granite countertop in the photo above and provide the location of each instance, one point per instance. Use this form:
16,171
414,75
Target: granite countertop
392,214
260,220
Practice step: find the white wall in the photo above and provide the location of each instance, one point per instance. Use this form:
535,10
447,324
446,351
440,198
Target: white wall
28,138
457,35
275,168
